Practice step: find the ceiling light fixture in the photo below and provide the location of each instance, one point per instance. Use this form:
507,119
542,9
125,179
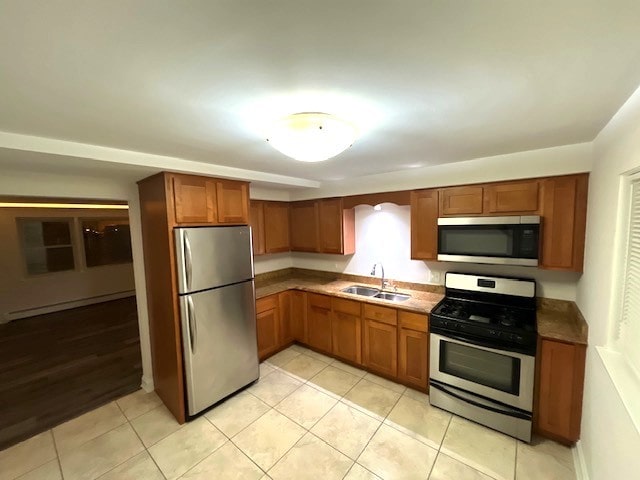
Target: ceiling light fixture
312,136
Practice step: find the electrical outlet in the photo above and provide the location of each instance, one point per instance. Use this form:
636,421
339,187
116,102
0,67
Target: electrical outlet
435,277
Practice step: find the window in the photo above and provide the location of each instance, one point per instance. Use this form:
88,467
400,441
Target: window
106,241
628,334
621,356
47,245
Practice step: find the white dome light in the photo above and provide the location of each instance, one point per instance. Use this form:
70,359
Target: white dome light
312,137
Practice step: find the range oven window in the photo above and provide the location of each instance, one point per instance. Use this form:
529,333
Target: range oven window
485,240
490,369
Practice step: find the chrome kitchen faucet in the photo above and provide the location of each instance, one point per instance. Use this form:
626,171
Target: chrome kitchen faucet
383,282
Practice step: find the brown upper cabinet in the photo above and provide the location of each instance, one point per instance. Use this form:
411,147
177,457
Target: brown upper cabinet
203,200
564,221
276,227
337,227
322,226
233,201
270,227
424,223
513,197
304,226
561,203
194,199
461,201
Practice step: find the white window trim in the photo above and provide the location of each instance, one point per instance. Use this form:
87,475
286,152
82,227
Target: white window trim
623,375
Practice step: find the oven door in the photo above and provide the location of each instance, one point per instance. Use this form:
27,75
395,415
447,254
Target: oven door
502,376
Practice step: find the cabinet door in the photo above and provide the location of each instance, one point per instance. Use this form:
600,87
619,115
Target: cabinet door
381,347
564,213
424,224
299,316
194,199
304,227
286,332
268,326
233,201
257,226
413,355
276,227
346,330
319,322
516,197
337,227
561,381
461,201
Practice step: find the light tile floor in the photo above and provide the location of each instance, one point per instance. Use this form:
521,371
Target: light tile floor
308,416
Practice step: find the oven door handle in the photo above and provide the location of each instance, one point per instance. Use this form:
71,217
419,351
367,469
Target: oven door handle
485,406
479,343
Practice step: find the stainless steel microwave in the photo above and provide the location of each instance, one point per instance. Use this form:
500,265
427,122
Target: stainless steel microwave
512,240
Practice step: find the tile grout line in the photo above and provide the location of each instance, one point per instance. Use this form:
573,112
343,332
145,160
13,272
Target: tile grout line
55,447
377,430
136,434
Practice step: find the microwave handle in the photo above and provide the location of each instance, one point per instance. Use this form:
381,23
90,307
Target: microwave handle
467,398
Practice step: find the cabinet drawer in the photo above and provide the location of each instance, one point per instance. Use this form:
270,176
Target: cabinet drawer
381,314
346,306
266,303
321,301
413,321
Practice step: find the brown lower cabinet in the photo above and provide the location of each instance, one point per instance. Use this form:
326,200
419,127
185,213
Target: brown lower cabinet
559,387
381,339
346,330
319,322
413,349
394,343
268,325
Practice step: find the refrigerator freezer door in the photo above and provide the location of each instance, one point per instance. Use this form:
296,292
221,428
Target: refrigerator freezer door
219,343
210,257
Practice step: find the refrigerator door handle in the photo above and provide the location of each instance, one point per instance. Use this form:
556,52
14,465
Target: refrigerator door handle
193,327
186,245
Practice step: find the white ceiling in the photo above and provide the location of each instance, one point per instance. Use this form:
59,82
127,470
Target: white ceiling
428,82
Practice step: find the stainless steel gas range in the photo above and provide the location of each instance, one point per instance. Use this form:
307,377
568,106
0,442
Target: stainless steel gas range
482,351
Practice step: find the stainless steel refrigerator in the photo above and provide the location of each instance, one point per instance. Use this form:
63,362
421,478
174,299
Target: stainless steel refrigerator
217,309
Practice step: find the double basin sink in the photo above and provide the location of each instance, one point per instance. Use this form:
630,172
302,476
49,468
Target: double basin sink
376,293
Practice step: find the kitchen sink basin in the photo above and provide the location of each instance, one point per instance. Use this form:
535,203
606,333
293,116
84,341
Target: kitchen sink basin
394,297
360,290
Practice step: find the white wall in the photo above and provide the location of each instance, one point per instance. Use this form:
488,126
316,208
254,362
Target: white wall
535,163
609,440
385,236
20,291
69,186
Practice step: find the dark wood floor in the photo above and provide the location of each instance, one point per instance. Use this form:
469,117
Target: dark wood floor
57,366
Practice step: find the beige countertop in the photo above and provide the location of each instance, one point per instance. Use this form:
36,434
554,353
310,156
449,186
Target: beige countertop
566,324
557,320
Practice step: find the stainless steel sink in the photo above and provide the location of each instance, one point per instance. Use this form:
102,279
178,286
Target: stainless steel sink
394,297
360,290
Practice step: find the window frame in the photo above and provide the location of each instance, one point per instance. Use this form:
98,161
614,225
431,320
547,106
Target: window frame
70,221
618,365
